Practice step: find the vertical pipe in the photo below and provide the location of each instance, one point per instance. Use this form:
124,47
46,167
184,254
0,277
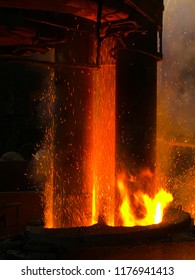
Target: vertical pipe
98,30
136,82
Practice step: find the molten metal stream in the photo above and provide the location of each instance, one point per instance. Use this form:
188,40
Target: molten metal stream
103,159
137,203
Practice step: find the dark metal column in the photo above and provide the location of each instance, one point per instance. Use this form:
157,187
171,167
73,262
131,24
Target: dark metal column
73,132
136,103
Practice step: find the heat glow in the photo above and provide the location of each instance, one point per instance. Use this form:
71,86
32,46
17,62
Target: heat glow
139,208
45,156
125,200
103,159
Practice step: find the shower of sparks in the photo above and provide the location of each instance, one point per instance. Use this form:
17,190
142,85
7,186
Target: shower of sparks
176,129
45,156
103,193
88,173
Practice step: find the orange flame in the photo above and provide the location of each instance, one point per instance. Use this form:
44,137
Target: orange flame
138,208
141,203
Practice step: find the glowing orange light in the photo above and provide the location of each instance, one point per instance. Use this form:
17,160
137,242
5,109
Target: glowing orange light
45,156
138,208
103,160
103,142
139,203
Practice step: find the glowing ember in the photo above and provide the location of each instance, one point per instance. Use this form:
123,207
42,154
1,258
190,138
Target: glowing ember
138,208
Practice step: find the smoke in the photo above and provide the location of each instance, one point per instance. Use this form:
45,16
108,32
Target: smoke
176,102
177,81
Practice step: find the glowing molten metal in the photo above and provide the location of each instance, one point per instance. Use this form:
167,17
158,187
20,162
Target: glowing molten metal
138,207
132,201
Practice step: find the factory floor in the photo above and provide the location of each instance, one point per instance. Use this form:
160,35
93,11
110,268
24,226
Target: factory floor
58,244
